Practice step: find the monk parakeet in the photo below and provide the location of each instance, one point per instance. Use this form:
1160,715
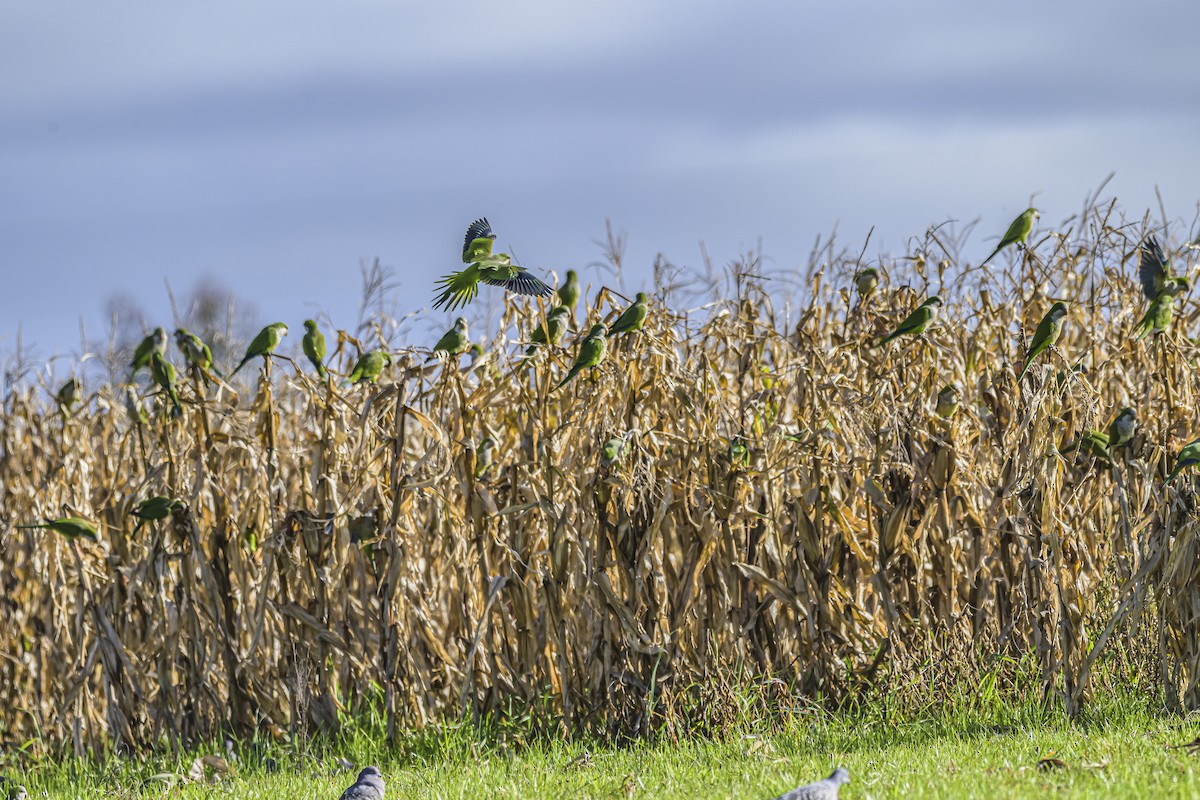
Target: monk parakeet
632,318
591,353
1047,333
568,293
454,342
552,333
1188,456
70,527
865,280
1159,286
460,288
614,451
133,405
194,350
484,455
1094,443
154,509
156,342
314,346
164,375
1122,428
1017,232
916,322
67,395
947,401
264,344
368,368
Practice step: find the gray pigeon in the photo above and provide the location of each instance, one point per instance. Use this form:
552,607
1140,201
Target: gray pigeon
369,786
821,790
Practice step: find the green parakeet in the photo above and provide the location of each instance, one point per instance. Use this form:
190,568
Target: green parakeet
1047,333
947,401
916,322
264,344
632,318
1017,232
194,350
557,322
1159,287
568,293
70,527
67,395
454,342
314,346
613,451
164,375
460,288
1122,428
1094,443
154,509
156,342
1188,456
591,353
866,280
484,454
368,368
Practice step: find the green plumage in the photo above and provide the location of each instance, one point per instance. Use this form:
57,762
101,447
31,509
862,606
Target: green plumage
1159,287
313,344
947,401
1122,428
154,509
459,288
368,368
866,280
1046,335
591,353
70,527
632,318
194,350
67,395
164,375
263,344
917,322
454,342
156,342
568,293
1017,232
557,322
1189,456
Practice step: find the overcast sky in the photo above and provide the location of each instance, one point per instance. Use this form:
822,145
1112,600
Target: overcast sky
273,146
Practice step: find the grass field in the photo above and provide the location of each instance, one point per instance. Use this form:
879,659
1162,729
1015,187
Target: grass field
1121,750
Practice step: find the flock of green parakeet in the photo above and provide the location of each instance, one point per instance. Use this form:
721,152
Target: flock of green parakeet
496,269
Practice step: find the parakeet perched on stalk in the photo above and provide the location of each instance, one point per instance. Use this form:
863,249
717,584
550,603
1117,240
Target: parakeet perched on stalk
460,288
67,395
1159,287
947,401
1047,333
156,342
368,368
866,280
568,293
454,342
194,350
1017,232
916,322
591,353
1189,456
632,318
264,344
1122,428
484,455
165,375
313,344
552,333
70,527
154,509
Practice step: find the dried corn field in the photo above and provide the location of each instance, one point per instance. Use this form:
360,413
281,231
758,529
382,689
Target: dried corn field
786,513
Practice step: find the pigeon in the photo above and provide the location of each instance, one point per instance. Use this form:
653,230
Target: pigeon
369,786
821,790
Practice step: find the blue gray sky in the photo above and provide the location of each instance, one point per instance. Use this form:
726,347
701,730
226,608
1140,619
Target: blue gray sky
272,146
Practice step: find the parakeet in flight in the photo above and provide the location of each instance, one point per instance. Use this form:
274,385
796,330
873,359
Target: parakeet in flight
1159,286
454,342
1017,232
67,395
70,527
460,288
194,350
947,401
1188,456
156,342
1122,428
591,353
865,280
916,322
1047,333
552,333
155,508
632,318
368,368
264,344
313,344
568,293
164,375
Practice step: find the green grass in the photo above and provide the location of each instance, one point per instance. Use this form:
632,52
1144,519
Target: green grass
1120,750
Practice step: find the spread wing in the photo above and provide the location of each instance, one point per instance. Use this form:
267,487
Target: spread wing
522,283
1153,269
478,241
